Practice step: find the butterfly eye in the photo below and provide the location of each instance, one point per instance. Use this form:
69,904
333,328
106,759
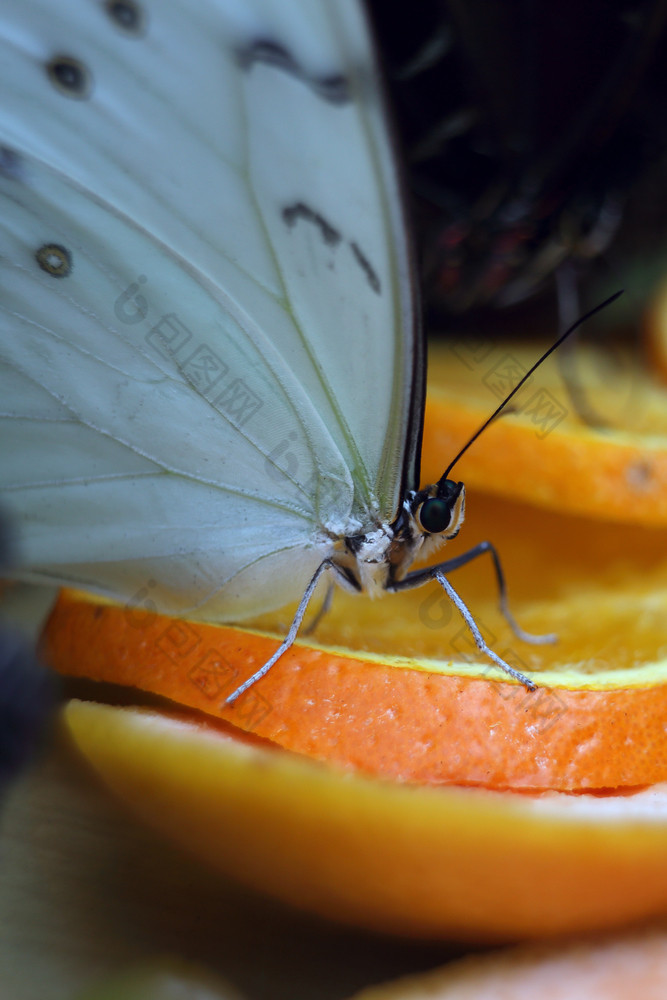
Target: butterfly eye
70,77
126,15
434,515
54,259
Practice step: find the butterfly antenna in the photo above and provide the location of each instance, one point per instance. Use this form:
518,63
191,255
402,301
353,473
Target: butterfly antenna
524,379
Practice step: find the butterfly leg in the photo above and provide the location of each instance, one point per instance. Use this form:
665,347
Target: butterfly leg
324,609
421,576
436,573
477,635
291,635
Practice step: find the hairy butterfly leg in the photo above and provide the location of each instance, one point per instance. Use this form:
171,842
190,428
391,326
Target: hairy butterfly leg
421,576
291,635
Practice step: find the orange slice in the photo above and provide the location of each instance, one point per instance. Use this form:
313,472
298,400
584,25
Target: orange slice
543,453
422,721
395,688
423,861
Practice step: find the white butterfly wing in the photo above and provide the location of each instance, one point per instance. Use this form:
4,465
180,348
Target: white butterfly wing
205,365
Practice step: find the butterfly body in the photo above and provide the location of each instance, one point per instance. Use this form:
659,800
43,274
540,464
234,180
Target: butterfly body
362,564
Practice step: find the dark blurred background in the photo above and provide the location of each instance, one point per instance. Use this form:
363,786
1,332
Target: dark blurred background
534,136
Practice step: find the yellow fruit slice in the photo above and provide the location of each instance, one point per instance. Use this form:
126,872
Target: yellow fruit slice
435,862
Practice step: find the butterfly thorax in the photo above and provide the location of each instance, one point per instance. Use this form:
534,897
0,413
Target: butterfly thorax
363,561
375,561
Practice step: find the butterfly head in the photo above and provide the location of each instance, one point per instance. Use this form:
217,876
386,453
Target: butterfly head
429,518
438,510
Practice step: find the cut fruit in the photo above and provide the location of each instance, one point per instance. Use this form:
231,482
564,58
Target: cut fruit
542,452
615,969
434,862
426,722
392,687
335,783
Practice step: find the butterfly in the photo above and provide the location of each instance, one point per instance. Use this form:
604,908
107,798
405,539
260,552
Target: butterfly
211,366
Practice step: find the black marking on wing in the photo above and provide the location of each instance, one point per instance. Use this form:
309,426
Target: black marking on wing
367,268
55,259
127,15
300,210
335,89
70,77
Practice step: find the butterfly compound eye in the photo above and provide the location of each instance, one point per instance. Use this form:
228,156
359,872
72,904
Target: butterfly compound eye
444,511
435,515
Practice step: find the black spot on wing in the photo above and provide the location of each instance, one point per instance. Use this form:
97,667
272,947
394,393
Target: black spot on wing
367,268
293,213
55,259
70,77
127,15
334,89
332,237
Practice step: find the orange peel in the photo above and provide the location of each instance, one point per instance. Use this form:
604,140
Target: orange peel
422,721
